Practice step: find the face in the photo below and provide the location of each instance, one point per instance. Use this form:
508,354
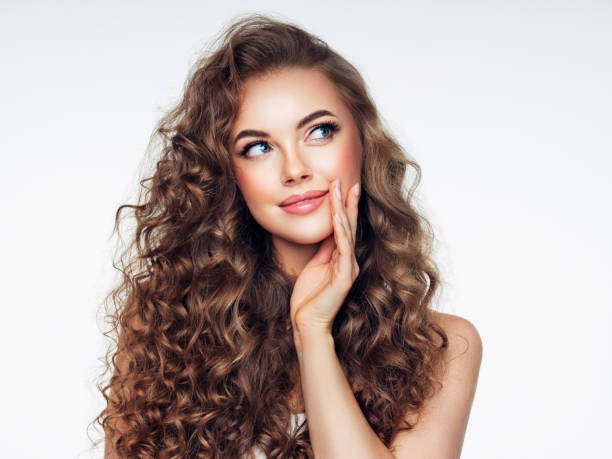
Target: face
307,138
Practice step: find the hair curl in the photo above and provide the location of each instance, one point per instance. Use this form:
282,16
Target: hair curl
204,354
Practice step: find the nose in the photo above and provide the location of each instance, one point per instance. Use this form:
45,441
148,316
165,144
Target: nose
295,169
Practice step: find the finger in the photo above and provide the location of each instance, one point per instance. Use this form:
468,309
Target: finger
343,259
341,225
351,209
333,200
342,210
352,205
345,250
350,227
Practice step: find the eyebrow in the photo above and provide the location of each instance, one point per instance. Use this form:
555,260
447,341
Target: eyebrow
307,119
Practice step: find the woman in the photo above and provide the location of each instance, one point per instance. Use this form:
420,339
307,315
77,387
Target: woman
279,300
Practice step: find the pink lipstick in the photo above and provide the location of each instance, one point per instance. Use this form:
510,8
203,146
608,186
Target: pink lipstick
309,201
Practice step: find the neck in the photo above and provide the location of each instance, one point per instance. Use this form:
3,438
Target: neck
293,257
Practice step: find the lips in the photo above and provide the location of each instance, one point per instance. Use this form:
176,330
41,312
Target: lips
302,197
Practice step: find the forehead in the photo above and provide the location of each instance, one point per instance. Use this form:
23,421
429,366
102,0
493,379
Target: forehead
285,95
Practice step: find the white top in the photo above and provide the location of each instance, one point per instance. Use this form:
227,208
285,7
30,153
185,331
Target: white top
296,420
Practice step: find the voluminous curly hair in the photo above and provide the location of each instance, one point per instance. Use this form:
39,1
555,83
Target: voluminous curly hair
203,354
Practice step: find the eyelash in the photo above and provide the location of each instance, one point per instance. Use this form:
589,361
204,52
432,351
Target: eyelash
333,127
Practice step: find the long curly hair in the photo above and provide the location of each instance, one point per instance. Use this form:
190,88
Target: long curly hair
202,355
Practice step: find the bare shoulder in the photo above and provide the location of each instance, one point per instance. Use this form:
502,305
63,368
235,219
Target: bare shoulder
439,432
463,336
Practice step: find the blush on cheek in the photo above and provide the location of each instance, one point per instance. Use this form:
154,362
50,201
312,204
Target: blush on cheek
347,156
246,183
345,166
255,187
349,162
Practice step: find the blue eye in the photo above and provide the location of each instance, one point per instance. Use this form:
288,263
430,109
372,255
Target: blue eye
330,128
246,149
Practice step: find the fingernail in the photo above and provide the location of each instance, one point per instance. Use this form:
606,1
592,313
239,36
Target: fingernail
357,190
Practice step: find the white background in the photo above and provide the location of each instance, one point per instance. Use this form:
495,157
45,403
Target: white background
505,105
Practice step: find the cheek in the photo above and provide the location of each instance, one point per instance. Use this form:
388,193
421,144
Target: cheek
345,164
349,159
251,185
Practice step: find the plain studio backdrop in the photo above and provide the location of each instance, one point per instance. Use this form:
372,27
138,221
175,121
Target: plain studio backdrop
505,105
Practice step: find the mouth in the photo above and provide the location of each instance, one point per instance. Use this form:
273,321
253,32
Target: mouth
302,198
304,206
299,202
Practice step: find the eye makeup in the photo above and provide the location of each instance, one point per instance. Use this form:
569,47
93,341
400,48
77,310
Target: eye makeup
331,125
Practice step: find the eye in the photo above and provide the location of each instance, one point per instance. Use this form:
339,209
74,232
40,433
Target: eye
249,146
330,128
327,130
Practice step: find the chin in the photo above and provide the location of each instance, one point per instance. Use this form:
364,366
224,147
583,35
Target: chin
305,237
309,240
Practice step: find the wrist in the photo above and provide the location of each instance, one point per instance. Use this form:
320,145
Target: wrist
313,337
312,330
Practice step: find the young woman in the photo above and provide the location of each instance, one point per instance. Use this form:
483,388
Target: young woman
278,301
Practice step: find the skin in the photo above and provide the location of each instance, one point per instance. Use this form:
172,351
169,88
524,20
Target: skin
294,161
318,248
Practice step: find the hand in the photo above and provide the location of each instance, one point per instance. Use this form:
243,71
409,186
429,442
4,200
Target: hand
323,284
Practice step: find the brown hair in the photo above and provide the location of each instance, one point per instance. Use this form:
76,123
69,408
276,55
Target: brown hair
204,348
